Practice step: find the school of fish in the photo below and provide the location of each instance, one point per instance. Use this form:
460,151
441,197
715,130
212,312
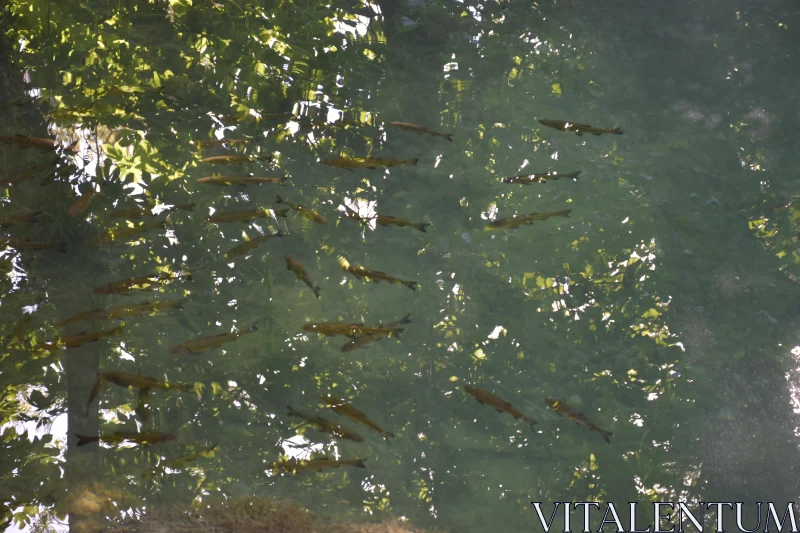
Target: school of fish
359,335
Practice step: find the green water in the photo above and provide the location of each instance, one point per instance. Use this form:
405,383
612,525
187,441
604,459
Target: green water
664,308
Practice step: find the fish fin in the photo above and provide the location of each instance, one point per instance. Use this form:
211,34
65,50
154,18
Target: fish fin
396,331
596,134
578,133
448,136
617,131
85,439
500,411
411,285
372,168
95,391
279,200
359,463
415,161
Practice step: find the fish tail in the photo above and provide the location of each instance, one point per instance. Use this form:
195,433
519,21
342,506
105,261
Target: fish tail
316,290
420,226
387,435
282,180
359,463
253,327
617,131
414,161
575,175
279,233
531,422
62,248
405,319
178,349
605,435
448,136
410,284
279,200
86,439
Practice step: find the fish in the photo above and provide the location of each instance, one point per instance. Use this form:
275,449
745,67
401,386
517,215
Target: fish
180,462
564,409
119,234
120,312
147,281
295,465
129,379
421,129
326,426
183,207
579,129
212,341
348,411
331,329
30,218
24,244
243,216
73,341
306,212
294,264
219,142
28,173
362,340
25,142
366,162
233,159
249,245
239,180
144,438
781,206
82,203
514,222
485,397
527,179
387,220
373,275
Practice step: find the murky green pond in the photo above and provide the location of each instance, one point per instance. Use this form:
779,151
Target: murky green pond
654,295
